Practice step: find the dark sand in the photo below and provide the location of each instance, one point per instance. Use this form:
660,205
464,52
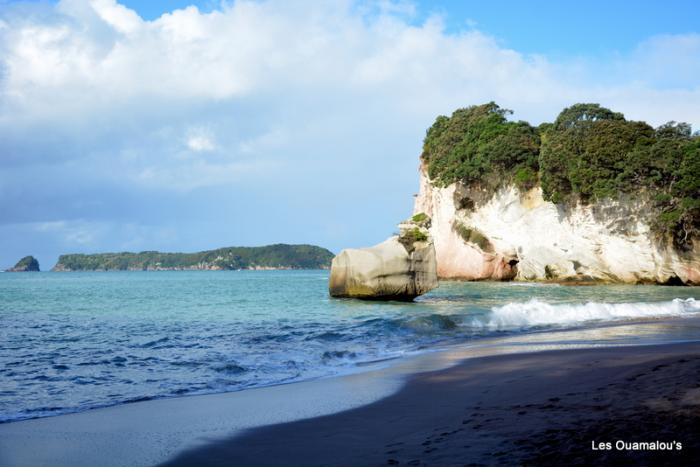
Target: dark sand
536,408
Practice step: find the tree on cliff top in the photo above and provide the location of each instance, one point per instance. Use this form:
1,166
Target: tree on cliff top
585,150
580,114
478,144
589,153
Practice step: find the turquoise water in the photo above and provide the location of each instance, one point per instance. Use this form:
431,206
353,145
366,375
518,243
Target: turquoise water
74,341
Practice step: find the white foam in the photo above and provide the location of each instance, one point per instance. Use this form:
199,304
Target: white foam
533,284
538,313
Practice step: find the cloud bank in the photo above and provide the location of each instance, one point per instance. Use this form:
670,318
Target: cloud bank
263,121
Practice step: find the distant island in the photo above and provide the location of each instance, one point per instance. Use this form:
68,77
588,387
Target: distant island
279,256
26,264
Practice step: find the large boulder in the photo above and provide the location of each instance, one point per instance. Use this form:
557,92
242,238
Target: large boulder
400,268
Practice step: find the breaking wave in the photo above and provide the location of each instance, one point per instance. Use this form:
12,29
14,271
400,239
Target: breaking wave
538,313
75,342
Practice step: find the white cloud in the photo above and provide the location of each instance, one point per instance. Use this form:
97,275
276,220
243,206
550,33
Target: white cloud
98,55
668,61
78,233
197,174
82,234
122,19
200,140
304,105
274,138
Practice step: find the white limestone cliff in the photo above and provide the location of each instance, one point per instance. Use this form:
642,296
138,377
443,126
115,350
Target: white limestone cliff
513,235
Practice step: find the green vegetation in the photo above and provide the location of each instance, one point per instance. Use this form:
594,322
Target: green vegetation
420,217
418,235
588,154
586,149
479,145
273,256
472,235
28,263
410,236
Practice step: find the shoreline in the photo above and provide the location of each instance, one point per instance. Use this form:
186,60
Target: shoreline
452,353
151,432
635,404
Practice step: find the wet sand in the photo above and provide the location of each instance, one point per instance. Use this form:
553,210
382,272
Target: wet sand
544,408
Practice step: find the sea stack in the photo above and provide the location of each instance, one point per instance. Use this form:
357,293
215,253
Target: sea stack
400,268
26,264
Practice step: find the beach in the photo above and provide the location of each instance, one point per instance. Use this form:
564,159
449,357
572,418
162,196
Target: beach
535,408
349,233
542,398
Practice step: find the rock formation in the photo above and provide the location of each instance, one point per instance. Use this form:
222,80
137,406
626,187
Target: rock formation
400,268
512,235
26,264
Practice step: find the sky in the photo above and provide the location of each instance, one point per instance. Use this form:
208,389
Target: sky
186,126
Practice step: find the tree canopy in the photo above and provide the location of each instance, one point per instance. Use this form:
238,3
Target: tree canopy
589,153
479,145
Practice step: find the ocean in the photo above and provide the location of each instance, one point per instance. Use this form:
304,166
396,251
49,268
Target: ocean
70,342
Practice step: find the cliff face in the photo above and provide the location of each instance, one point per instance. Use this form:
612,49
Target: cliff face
514,235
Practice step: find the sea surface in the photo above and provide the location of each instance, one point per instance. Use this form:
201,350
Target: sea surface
75,341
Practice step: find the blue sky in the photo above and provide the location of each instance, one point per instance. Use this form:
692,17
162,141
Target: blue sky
149,125
560,28
594,27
